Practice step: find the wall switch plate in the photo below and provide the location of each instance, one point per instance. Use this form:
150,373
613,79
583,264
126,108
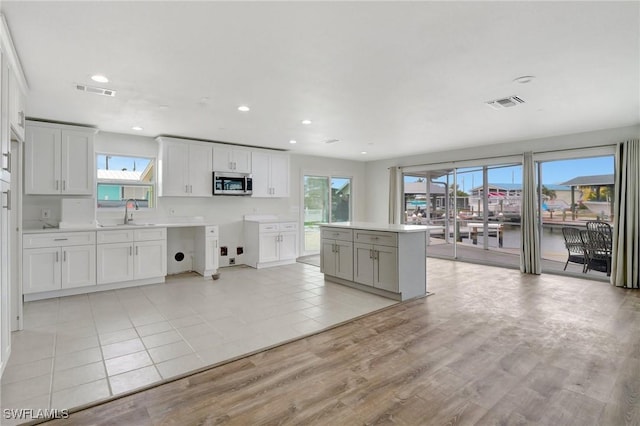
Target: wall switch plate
45,213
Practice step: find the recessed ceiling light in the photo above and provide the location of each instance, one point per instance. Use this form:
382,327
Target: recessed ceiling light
524,79
243,108
137,128
292,141
363,152
163,106
99,78
306,121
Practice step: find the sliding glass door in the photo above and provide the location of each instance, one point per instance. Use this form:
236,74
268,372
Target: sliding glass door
572,192
326,199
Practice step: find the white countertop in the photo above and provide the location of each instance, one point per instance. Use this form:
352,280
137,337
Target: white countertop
374,226
161,223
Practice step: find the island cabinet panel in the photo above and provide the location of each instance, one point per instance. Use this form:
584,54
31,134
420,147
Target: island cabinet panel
389,260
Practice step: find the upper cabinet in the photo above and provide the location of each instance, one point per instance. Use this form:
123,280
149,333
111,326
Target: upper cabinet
185,168
229,159
270,174
16,106
59,159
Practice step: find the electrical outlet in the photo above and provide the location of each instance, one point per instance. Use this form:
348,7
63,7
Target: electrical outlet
232,261
45,213
172,212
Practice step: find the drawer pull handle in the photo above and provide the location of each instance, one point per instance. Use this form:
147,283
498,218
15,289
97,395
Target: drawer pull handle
60,239
8,155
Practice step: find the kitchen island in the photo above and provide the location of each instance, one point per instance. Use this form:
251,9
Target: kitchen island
388,260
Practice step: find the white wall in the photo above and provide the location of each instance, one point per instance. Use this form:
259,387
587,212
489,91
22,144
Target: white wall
377,174
226,211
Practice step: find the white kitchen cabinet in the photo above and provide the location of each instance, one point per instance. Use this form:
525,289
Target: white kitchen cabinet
337,253
185,168
131,254
270,244
206,255
5,139
55,261
5,275
59,159
270,174
227,158
16,106
390,263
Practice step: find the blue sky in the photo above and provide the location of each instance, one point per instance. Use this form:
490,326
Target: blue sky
119,163
553,172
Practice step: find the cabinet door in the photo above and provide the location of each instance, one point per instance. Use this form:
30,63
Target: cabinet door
6,297
288,246
328,257
41,270
211,252
222,159
42,160
241,161
200,171
344,260
279,175
5,107
269,244
149,259
174,166
16,105
78,164
386,268
363,263
114,262
78,266
260,171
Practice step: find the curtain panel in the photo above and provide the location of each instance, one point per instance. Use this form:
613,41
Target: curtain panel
394,193
530,239
625,264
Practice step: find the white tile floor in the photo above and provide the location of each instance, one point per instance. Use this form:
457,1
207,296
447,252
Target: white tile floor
79,349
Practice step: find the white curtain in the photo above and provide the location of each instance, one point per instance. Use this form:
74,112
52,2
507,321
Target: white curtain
625,264
530,245
394,194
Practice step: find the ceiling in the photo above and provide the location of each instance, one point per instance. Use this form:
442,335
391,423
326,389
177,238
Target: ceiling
386,78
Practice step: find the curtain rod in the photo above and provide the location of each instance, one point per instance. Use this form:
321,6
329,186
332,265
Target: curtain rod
503,156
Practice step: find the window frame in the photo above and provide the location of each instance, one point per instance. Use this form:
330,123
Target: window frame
153,183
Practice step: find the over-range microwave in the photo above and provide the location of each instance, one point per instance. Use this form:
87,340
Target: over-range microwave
229,183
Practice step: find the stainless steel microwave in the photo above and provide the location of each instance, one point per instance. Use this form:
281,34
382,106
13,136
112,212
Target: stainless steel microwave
229,183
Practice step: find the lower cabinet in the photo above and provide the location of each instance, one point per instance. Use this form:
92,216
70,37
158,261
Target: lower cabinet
336,258
131,254
57,261
389,263
376,266
271,244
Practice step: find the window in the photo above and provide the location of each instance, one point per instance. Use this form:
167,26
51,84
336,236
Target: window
120,178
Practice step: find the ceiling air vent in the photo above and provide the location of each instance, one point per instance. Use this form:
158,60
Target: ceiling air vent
95,90
505,102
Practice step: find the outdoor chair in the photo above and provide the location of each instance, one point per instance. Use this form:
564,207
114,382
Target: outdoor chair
604,228
597,251
575,247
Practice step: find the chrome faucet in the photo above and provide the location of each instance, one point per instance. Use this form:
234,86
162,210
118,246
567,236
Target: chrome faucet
126,210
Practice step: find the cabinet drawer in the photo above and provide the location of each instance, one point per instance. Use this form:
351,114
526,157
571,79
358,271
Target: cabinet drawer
58,239
288,226
268,227
337,234
116,236
376,237
150,234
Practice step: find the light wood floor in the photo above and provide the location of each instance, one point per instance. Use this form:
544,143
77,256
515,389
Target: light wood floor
491,346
